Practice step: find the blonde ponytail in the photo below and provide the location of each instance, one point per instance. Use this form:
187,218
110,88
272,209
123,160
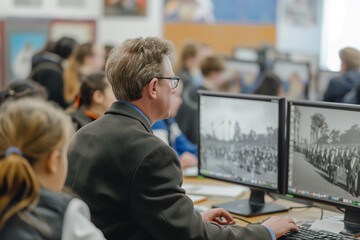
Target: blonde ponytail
17,176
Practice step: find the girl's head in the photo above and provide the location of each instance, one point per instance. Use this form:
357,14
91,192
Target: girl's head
91,55
188,57
33,142
86,59
23,88
96,93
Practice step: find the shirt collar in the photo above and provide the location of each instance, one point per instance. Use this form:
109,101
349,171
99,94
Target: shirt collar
137,110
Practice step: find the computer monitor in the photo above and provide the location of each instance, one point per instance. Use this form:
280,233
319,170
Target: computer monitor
323,80
295,77
241,141
246,53
323,155
244,75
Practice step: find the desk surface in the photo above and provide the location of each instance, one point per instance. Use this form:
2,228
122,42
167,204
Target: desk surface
300,215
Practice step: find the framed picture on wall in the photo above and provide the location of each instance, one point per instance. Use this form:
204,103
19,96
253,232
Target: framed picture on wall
125,7
2,56
81,30
71,4
27,3
23,38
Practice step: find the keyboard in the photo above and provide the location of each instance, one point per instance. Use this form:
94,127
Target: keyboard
305,233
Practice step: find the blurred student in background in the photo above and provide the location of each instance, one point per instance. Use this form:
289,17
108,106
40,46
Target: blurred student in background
21,89
212,68
340,86
108,49
86,59
33,166
96,96
168,130
270,85
47,68
187,62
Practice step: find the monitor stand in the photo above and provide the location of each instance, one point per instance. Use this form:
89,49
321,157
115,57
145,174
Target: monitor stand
254,206
351,223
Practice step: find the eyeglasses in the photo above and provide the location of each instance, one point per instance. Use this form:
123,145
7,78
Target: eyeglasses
174,81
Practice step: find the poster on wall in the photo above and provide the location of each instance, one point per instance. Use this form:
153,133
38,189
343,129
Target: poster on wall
27,3
301,13
71,4
23,40
81,30
125,7
229,11
2,56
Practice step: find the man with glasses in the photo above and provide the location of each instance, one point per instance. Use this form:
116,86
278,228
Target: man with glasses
131,179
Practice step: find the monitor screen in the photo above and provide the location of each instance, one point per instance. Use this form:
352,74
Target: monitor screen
240,138
324,152
295,77
241,141
243,75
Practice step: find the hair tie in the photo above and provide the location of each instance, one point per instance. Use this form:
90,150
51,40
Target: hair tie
11,150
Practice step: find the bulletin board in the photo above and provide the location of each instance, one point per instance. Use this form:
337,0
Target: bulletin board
81,30
23,38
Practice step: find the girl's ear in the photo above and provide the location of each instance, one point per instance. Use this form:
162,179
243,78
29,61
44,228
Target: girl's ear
98,97
52,161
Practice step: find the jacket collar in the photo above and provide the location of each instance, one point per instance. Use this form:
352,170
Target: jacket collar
124,109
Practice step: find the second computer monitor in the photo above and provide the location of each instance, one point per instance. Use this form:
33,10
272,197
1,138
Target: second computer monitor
324,154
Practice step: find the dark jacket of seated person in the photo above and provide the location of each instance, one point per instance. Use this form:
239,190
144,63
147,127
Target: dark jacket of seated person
338,87
134,189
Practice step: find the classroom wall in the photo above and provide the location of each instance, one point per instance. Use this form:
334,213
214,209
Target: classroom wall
78,22
222,24
293,35
223,38
115,30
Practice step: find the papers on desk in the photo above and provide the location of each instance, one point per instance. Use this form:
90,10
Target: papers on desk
191,171
329,226
230,192
197,199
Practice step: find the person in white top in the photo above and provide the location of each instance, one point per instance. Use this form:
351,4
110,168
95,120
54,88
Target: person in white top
33,166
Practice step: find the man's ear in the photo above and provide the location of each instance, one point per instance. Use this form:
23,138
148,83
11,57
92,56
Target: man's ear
152,88
97,96
52,161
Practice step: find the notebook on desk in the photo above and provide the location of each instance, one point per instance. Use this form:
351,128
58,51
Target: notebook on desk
230,192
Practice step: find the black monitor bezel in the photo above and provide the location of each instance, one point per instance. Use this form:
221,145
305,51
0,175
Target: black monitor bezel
307,64
281,137
318,104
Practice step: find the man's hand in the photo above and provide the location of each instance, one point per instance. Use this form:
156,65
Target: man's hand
188,160
216,214
280,225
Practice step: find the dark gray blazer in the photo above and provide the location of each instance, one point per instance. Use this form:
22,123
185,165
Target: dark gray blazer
132,180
